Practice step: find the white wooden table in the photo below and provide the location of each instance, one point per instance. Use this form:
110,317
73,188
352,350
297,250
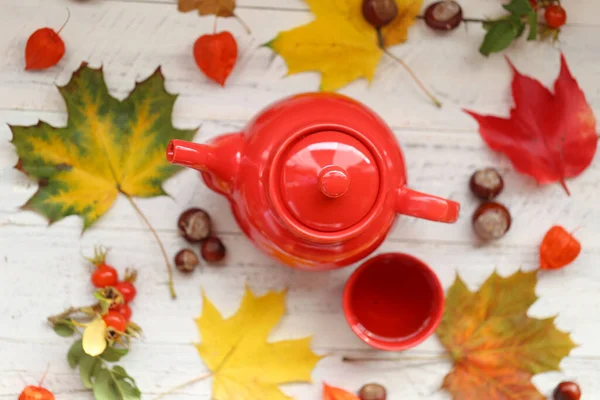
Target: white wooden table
43,272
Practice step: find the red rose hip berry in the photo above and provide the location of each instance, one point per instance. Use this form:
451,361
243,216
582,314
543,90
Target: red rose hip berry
104,275
115,320
555,16
212,249
122,309
127,290
567,391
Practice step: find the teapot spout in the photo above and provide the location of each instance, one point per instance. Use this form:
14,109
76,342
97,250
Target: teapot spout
217,160
191,155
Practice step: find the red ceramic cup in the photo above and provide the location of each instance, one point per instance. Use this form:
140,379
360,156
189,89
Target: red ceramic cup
393,301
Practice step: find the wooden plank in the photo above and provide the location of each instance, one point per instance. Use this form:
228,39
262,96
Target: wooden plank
132,40
437,163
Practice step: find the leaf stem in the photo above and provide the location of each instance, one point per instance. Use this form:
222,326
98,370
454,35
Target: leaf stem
442,356
435,101
242,23
184,384
65,23
160,244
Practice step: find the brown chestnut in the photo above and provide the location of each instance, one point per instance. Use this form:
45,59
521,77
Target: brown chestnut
212,249
444,15
194,225
567,391
379,13
486,183
372,391
491,221
186,260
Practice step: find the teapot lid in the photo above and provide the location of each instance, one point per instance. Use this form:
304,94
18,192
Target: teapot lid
328,180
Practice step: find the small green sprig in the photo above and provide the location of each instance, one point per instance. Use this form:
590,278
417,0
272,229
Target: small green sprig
502,32
105,345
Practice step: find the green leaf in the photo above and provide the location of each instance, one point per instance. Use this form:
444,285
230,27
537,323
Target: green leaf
64,329
113,354
499,37
519,7
87,369
75,353
520,27
532,20
115,384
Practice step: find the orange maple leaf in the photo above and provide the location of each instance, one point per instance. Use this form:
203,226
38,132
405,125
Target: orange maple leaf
495,346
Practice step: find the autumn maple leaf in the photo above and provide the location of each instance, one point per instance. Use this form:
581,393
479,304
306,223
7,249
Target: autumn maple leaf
340,43
495,346
222,8
550,137
107,147
243,364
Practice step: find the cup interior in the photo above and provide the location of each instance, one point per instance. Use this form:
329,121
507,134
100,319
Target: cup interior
393,301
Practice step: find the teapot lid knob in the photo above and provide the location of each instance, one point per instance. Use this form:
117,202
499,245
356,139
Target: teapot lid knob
333,181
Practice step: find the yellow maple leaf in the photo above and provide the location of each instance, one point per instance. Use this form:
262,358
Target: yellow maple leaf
243,364
340,43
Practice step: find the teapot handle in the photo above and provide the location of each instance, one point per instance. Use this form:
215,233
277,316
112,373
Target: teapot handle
421,205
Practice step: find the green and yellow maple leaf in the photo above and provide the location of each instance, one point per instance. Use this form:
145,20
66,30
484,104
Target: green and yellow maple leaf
339,43
107,147
495,346
243,364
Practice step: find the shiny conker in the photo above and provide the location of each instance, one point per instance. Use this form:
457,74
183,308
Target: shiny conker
194,225
491,221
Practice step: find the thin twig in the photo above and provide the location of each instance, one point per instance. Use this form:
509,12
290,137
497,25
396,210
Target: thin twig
160,244
435,101
69,311
184,384
442,356
242,23
44,376
65,23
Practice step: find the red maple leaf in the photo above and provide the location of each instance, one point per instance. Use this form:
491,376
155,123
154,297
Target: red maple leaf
550,137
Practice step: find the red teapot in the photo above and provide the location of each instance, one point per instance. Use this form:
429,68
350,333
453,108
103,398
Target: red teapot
315,180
